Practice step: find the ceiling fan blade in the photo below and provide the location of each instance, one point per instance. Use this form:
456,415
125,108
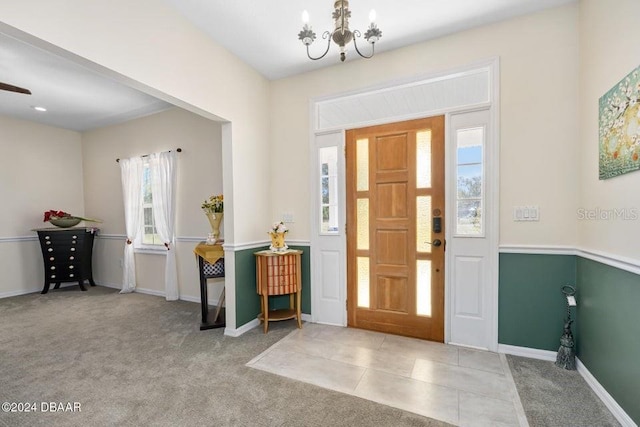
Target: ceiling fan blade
11,88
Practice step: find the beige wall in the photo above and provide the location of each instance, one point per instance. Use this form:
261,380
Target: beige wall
538,121
153,46
40,169
199,176
608,51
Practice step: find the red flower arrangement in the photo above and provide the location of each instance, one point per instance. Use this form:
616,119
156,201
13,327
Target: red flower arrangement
51,214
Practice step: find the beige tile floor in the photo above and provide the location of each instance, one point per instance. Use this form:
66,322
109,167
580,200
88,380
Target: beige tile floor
453,384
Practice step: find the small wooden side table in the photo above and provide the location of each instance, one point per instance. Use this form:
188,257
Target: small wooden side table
279,273
210,265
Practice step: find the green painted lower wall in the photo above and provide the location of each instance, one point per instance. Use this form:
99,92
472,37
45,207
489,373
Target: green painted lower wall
607,327
531,308
247,300
608,333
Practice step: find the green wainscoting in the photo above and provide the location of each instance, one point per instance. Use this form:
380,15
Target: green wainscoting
247,300
531,305
608,333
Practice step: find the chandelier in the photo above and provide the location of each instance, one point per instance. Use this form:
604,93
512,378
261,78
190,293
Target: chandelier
341,35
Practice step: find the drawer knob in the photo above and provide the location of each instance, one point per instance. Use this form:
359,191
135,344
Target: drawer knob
71,275
71,258
53,276
50,249
71,267
47,237
48,243
53,267
75,237
51,258
73,249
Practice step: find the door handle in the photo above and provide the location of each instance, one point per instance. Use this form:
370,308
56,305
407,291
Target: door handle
435,243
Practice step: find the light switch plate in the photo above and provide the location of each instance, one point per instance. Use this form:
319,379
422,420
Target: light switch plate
287,217
526,213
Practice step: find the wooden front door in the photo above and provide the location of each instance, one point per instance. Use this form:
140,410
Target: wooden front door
395,228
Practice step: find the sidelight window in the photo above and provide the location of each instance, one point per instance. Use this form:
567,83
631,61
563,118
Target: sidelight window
470,181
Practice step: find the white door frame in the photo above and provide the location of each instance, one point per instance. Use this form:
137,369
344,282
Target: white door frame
351,118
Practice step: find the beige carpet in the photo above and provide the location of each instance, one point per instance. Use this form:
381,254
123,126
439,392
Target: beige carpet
135,360
556,397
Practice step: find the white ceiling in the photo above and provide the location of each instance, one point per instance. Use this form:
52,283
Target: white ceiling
76,98
264,34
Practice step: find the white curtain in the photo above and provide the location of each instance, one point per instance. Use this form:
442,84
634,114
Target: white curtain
131,170
163,187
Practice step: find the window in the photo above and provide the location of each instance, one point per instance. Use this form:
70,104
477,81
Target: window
148,237
469,178
329,190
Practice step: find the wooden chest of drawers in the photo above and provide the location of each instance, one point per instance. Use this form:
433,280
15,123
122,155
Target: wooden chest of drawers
279,273
67,255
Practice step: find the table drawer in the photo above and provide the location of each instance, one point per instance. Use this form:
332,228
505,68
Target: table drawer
59,237
282,275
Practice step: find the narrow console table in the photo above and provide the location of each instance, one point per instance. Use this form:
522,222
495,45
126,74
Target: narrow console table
210,265
279,273
67,255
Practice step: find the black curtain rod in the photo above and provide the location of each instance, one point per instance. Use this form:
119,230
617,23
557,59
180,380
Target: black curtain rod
179,150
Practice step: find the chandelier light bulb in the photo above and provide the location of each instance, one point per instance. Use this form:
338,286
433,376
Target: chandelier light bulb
305,17
372,15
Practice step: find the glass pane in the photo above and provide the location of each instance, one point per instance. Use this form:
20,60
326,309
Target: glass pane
469,219
147,238
362,220
423,159
325,215
328,214
469,181
471,137
423,213
362,164
424,288
469,153
148,216
363,282
146,184
325,191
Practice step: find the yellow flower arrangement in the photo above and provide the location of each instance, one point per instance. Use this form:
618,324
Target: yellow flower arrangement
215,204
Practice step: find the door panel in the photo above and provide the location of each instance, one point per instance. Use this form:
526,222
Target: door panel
395,186
328,253
472,298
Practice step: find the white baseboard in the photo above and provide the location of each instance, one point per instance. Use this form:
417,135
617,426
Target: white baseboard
255,323
532,353
34,290
242,329
20,292
617,411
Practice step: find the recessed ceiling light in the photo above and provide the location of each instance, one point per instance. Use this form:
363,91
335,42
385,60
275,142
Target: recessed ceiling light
39,108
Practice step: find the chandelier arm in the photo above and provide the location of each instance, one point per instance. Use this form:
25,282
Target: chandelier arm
357,34
326,35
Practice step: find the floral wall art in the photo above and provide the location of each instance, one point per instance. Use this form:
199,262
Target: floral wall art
620,127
